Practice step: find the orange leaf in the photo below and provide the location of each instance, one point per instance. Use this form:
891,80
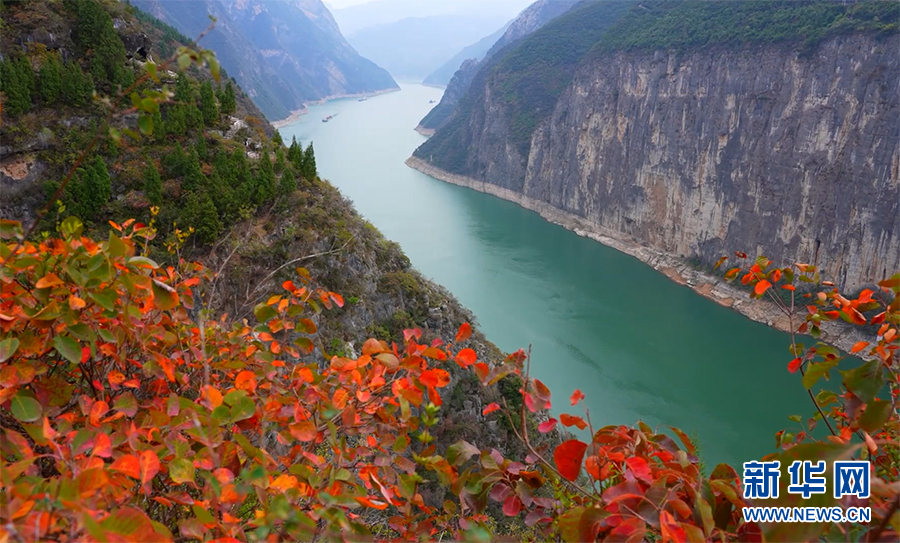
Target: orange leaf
490,408
762,287
99,409
340,398
466,357
210,397
245,380
576,397
304,431
569,420
76,303
568,456
671,530
284,482
465,331
128,465
116,378
858,346
788,287
47,281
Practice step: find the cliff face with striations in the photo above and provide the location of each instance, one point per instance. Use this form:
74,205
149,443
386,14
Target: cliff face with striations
766,149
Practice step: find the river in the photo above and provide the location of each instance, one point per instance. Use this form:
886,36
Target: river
638,345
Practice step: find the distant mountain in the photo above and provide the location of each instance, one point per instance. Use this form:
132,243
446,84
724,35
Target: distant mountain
354,18
284,54
476,51
412,48
532,18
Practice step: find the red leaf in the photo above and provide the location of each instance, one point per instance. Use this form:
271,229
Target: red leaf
466,357
569,420
149,463
465,330
512,506
762,287
576,397
794,365
102,446
568,457
788,287
490,408
640,468
545,427
543,393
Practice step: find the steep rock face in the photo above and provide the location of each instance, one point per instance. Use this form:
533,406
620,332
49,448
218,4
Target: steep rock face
532,18
762,149
283,53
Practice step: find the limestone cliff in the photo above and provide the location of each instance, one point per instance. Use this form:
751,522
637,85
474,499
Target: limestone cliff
770,149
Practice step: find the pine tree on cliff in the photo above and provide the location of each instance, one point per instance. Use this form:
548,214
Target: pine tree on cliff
227,100
208,104
95,33
193,173
14,82
76,87
90,190
200,213
309,163
153,185
287,184
295,154
265,184
51,79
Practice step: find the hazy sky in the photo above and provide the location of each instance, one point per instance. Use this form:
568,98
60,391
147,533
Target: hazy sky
337,4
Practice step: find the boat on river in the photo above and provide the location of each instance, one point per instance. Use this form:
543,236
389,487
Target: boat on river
327,118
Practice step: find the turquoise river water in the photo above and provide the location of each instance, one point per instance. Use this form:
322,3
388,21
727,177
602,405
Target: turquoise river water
640,346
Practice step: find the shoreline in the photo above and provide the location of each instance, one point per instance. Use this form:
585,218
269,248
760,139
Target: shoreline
427,132
675,268
298,113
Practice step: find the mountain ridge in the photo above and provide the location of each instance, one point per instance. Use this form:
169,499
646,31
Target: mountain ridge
258,42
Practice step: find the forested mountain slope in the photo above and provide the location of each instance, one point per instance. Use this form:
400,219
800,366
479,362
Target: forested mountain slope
213,179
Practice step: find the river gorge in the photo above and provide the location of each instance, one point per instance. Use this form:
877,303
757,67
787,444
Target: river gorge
640,346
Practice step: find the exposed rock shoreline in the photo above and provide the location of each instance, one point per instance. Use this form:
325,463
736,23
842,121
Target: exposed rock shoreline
673,267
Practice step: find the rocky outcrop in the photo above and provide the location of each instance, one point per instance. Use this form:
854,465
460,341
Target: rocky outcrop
764,149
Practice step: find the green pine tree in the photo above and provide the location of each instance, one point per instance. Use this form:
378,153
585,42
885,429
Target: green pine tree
51,79
90,190
95,33
193,178
279,160
208,104
295,154
309,163
228,103
15,76
153,184
265,185
76,87
202,147
287,184
200,213
276,139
